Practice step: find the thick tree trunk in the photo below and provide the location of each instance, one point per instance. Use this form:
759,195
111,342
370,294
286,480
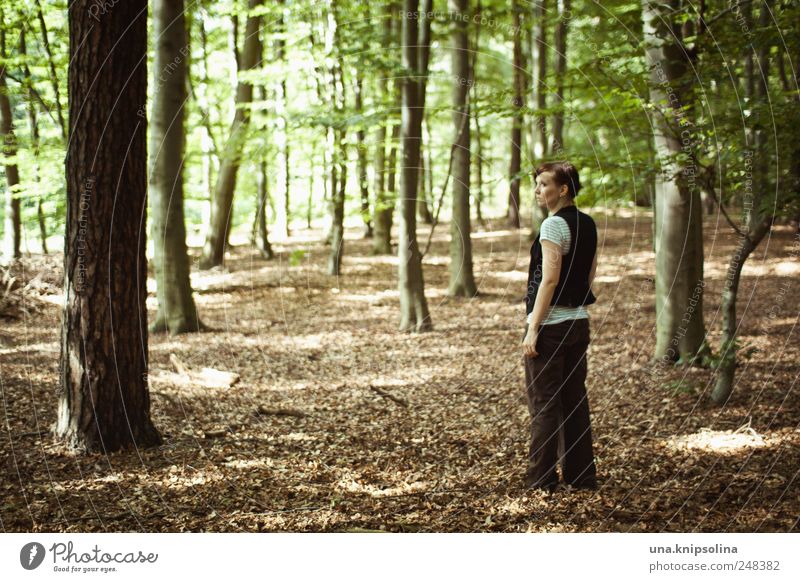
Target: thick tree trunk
104,403
222,201
680,332
565,14
516,121
414,315
462,280
176,308
13,225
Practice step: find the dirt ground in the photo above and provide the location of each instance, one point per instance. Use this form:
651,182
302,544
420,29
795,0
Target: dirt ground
340,423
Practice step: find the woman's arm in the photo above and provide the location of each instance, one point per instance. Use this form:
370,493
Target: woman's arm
551,270
592,272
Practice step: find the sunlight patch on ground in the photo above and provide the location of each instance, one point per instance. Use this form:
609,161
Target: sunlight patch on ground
350,484
721,442
46,347
249,464
493,234
509,275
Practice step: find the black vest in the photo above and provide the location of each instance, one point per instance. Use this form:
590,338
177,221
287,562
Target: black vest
573,287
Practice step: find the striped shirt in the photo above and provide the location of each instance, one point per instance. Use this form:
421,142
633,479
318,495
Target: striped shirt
555,229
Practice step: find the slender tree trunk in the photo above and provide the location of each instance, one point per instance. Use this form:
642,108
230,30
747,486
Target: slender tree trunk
52,69
516,122
381,239
363,179
757,221
414,315
33,124
540,58
222,201
283,122
13,225
104,403
565,14
423,211
462,280
478,190
260,230
339,173
538,134
385,166
176,308
680,332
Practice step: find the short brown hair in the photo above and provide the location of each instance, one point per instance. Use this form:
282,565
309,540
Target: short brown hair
564,173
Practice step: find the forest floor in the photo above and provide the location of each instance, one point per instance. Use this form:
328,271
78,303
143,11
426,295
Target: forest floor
341,423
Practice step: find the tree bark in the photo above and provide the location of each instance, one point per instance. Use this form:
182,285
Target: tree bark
414,315
13,224
462,280
680,332
176,308
222,201
103,402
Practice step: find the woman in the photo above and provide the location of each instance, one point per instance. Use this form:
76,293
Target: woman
563,263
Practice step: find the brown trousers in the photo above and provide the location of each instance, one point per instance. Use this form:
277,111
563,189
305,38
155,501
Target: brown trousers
559,407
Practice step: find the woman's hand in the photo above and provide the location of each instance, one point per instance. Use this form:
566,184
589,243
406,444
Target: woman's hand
529,343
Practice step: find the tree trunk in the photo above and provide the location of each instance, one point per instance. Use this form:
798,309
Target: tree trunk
52,69
538,127
462,280
104,403
283,122
339,170
540,58
478,190
176,308
516,122
363,184
423,211
757,221
565,14
680,332
13,225
385,166
222,201
33,124
414,315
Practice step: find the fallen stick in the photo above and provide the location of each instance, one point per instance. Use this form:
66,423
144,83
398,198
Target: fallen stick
391,397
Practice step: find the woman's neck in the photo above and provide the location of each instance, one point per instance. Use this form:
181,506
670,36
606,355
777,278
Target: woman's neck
563,205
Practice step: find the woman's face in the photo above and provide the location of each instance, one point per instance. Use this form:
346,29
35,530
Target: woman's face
548,192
